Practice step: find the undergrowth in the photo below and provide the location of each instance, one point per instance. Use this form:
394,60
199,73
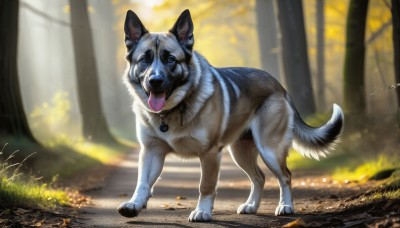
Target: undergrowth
17,190
387,189
378,168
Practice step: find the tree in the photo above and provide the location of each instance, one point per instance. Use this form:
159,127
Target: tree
94,123
320,21
294,55
396,46
12,116
267,38
353,76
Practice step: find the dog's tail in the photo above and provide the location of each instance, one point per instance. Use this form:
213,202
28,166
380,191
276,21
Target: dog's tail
317,141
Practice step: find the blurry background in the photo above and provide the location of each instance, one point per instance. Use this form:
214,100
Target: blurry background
227,33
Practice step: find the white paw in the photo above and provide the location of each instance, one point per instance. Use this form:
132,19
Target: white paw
130,209
247,209
199,216
284,210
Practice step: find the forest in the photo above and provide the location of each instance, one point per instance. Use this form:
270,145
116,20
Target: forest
68,142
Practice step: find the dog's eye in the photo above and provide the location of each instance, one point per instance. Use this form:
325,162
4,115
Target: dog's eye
145,59
171,59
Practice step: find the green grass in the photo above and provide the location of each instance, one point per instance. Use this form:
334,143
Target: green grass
98,152
388,189
16,190
31,194
336,159
382,194
378,168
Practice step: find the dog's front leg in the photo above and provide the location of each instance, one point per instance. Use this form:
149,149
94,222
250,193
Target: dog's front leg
151,162
210,164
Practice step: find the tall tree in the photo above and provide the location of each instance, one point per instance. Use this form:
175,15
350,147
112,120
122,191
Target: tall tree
294,55
267,38
396,46
94,123
320,21
353,76
12,116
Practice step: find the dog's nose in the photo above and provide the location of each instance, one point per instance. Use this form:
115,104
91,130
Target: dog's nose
156,80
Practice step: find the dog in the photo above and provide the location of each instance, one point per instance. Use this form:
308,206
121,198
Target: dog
185,106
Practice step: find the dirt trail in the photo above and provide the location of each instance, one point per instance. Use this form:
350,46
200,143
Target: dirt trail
318,200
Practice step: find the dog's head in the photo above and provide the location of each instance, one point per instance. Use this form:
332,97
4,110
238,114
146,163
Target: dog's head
159,63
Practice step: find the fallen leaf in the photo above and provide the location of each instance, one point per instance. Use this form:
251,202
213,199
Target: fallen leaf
38,224
167,207
122,195
181,198
21,211
296,223
66,222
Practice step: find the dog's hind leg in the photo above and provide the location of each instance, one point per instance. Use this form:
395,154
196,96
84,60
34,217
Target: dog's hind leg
210,163
272,134
244,153
277,165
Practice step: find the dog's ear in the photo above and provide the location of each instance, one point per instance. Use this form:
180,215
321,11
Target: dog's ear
183,31
134,30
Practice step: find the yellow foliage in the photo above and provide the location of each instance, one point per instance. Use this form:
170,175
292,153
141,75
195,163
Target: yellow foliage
224,30
53,115
367,169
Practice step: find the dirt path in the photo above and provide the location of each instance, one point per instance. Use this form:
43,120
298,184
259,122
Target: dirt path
318,200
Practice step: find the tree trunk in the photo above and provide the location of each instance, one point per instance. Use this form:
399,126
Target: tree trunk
12,116
294,55
396,50
353,81
267,36
94,123
320,21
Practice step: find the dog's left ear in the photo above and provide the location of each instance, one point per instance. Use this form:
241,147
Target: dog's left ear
134,30
183,31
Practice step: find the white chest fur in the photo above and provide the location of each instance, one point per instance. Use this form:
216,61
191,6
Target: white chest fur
186,142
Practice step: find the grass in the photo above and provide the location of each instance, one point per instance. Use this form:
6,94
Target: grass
17,190
65,150
64,156
96,151
296,161
31,194
388,189
379,168
381,194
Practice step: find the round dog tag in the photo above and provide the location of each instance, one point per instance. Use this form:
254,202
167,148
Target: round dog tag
164,127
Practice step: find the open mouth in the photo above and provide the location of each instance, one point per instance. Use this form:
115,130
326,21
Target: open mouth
157,100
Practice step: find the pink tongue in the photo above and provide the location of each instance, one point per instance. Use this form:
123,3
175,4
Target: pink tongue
156,101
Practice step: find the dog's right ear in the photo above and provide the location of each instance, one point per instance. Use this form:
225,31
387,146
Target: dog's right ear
134,30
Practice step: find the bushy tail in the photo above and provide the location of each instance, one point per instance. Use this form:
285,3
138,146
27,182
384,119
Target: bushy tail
317,141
